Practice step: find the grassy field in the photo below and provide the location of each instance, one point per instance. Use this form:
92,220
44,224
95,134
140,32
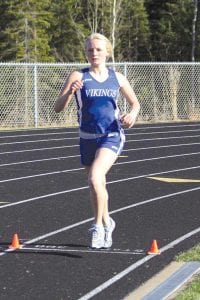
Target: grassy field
192,290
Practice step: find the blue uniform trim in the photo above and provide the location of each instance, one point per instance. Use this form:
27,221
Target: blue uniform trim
98,116
97,104
88,147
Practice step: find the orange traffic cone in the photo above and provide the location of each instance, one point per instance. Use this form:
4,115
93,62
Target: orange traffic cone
15,242
154,248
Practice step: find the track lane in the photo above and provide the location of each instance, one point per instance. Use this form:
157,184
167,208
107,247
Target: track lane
169,211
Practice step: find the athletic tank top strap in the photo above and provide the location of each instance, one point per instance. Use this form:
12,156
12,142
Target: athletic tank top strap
85,72
111,74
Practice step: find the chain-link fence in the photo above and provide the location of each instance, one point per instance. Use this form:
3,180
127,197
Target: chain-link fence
166,92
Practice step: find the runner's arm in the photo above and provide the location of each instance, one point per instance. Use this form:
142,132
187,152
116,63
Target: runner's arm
128,119
72,84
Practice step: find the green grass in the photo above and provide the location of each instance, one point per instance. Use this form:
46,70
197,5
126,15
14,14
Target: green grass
191,255
192,289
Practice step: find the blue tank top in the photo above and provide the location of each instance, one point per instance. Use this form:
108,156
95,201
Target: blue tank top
98,112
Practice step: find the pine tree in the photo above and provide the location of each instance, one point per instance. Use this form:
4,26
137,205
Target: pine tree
171,29
68,31
25,36
133,33
197,46
7,46
140,30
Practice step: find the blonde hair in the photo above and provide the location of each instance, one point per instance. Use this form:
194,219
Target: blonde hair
99,36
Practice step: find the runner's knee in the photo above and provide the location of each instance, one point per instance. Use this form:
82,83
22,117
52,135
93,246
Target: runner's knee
96,181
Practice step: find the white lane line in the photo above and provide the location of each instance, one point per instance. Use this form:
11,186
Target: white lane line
38,149
49,234
79,169
39,160
44,196
112,212
165,138
46,248
38,141
154,199
157,158
38,134
86,187
77,145
163,132
76,132
41,175
126,271
137,127
39,238
160,147
72,156
131,268
77,137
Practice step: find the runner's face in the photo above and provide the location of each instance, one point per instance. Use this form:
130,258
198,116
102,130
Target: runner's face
96,52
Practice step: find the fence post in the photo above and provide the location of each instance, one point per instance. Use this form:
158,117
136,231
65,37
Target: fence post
35,97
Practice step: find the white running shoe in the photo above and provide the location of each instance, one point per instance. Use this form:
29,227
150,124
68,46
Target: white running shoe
98,235
108,233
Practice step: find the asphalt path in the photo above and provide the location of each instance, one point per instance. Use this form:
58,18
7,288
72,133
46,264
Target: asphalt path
154,190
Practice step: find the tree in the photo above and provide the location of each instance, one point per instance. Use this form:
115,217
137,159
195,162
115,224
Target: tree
171,29
194,29
133,32
7,47
26,36
140,30
68,30
197,45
